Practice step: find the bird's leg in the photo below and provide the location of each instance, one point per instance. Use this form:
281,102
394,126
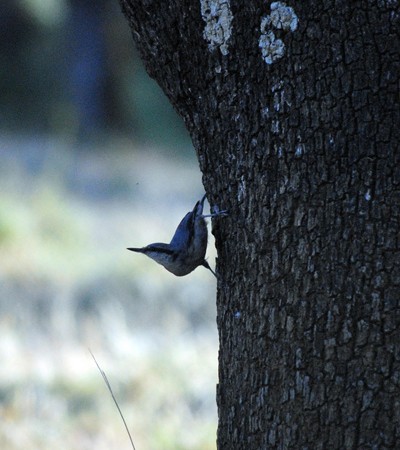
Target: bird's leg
216,213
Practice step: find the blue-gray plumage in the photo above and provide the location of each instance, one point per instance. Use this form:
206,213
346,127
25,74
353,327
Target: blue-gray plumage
188,246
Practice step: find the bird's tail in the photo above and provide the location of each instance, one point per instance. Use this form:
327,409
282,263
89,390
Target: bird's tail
198,207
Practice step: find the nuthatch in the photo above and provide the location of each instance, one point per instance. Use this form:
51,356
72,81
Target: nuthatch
187,249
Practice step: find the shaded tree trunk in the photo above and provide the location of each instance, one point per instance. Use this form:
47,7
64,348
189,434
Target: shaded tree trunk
294,115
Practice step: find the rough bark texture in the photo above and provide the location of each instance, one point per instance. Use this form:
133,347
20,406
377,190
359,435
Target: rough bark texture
304,153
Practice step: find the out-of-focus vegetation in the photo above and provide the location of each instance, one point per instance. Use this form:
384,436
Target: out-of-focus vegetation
70,68
81,180
67,283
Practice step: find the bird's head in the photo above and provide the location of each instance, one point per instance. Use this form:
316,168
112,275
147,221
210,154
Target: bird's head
159,252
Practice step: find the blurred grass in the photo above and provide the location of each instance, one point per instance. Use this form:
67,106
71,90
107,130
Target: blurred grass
67,284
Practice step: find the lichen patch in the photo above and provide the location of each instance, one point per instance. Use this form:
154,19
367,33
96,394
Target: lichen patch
282,17
217,16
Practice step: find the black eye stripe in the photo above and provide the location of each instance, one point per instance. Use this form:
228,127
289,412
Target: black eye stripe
167,251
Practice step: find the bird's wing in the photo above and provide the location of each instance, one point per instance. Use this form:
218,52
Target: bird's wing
184,233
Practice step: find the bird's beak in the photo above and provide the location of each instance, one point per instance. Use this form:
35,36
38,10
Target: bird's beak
138,250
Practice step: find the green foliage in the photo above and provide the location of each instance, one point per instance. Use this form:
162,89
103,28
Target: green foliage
7,223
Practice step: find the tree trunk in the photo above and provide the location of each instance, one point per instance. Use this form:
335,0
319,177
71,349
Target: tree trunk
294,114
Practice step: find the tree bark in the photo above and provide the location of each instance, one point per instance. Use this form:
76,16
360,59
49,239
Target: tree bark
299,141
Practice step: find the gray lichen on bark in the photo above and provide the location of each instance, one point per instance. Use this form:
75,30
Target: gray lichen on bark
218,18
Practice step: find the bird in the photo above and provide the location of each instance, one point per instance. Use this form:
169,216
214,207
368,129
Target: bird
188,246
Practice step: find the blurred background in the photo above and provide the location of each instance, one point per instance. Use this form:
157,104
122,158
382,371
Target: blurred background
93,159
